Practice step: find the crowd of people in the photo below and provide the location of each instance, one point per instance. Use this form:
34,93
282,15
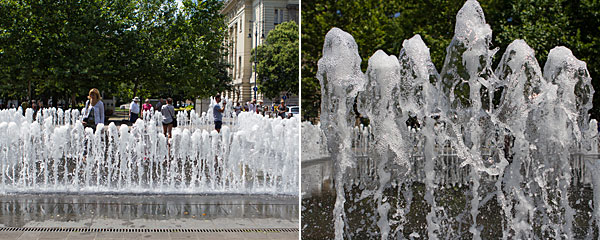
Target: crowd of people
165,107
7,106
167,110
93,112
272,111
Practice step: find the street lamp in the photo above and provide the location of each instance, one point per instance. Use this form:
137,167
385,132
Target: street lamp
255,52
255,58
255,43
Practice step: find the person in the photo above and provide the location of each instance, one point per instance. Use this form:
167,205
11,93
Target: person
218,113
168,112
282,109
146,107
34,107
93,113
273,110
238,108
259,107
159,104
252,106
134,110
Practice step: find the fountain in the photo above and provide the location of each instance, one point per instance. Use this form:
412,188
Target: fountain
469,152
56,154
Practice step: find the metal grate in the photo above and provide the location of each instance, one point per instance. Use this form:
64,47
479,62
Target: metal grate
61,229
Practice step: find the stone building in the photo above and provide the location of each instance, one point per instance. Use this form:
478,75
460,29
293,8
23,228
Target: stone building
249,22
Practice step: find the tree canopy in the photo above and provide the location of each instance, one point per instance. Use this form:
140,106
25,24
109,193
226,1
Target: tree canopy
122,47
277,66
379,24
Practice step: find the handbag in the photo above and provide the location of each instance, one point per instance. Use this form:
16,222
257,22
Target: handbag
85,119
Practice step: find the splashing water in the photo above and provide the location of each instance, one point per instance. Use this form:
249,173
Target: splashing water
509,134
252,155
341,79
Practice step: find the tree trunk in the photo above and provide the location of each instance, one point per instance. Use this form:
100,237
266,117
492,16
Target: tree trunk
141,87
73,101
29,90
135,86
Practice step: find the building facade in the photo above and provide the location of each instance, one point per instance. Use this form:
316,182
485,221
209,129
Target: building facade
249,22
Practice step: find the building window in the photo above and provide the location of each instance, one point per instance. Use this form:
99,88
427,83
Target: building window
278,18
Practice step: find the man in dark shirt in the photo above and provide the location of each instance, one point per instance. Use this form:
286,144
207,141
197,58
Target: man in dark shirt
159,104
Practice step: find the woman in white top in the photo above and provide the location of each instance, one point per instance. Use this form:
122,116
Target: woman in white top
93,113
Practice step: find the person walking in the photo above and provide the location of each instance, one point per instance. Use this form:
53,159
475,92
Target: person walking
34,107
93,113
237,108
218,113
252,106
146,107
259,108
282,109
168,112
159,104
134,110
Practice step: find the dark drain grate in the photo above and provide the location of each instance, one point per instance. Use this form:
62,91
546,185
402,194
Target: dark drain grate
60,229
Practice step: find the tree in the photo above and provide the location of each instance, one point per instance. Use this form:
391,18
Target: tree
573,24
277,66
59,48
122,47
197,51
366,20
375,24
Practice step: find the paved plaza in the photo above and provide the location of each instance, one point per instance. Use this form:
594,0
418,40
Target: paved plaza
148,217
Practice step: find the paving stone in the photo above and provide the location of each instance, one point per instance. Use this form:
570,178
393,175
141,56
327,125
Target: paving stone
109,235
215,236
10,234
131,235
53,235
29,236
81,236
254,235
158,235
283,236
183,235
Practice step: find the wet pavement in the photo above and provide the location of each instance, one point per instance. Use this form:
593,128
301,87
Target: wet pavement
148,217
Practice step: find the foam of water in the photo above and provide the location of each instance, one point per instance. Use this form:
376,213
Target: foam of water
341,80
252,154
514,127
